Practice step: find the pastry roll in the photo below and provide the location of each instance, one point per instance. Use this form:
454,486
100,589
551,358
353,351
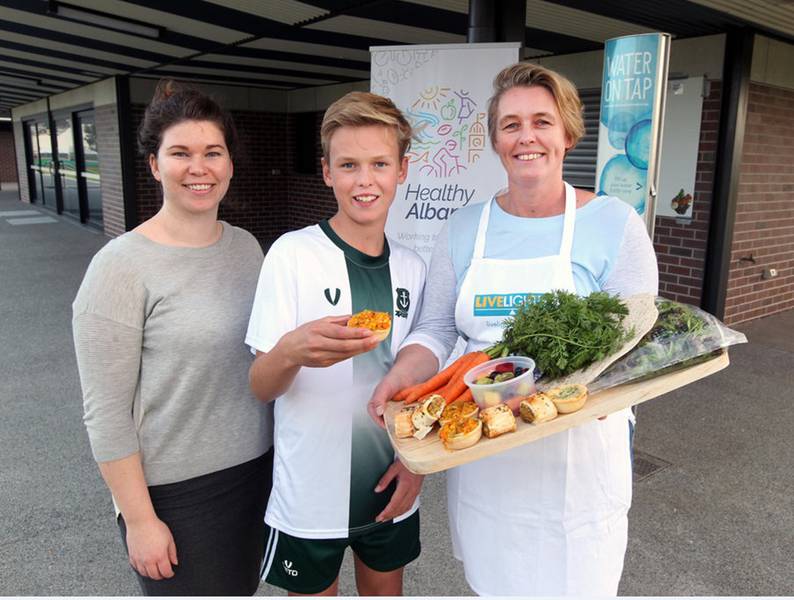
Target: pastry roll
428,412
537,409
403,426
497,420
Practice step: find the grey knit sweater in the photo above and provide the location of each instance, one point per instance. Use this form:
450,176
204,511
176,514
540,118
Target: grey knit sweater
159,332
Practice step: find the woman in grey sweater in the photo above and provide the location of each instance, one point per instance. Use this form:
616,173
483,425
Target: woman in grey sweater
158,327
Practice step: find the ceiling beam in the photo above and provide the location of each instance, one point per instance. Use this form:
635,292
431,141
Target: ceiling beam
26,74
45,52
297,57
242,69
680,18
42,64
80,41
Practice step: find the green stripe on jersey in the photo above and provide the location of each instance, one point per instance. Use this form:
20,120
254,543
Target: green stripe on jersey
371,452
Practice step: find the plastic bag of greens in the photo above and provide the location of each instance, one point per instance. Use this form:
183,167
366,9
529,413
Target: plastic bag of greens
683,336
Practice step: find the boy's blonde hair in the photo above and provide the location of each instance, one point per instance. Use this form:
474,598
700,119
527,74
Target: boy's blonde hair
360,109
562,90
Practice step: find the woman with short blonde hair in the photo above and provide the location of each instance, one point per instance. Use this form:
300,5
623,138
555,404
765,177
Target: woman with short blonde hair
548,518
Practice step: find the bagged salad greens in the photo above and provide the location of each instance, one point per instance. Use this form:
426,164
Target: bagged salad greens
683,336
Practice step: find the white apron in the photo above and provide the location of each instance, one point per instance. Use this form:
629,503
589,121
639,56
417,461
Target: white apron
548,518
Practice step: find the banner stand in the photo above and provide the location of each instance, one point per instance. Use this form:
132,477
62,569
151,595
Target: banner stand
633,94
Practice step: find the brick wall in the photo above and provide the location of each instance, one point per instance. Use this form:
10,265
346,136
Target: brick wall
257,199
8,159
109,151
680,244
310,200
764,226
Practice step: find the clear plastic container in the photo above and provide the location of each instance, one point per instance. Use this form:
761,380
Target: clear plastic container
490,394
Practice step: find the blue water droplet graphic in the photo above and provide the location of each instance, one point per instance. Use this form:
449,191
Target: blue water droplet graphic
638,144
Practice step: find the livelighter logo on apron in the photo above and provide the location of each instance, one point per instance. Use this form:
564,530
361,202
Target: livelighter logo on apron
501,305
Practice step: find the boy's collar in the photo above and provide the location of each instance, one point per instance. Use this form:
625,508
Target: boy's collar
353,254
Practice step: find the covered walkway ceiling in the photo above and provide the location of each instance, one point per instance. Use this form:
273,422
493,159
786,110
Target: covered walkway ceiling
50,46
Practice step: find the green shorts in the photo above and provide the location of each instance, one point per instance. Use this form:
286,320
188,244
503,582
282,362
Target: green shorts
307,566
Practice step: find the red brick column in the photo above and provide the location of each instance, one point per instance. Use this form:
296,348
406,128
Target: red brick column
8,157
764,226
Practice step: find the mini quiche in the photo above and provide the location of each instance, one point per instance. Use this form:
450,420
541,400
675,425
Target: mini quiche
568,398
378,322
460,433
459,410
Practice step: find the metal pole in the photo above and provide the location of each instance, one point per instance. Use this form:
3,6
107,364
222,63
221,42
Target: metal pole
730,143
482,21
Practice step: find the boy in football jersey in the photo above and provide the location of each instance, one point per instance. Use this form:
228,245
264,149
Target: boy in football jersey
336,482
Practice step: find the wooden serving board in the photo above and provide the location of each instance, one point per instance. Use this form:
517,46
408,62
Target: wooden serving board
429,455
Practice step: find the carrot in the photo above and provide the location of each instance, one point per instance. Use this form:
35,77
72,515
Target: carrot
463,397
433,384
457,386
447,391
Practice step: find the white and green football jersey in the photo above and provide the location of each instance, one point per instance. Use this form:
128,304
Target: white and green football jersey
329,453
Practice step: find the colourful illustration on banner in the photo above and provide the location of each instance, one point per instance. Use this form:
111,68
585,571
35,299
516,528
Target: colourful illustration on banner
628,108
443,90
450,136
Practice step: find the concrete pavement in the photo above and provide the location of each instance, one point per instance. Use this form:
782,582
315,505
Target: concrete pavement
715,517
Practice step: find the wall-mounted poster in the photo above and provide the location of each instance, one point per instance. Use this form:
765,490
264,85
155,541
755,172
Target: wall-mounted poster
630,124
443,90
678,161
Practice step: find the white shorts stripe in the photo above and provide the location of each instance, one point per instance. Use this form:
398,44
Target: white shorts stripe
270,553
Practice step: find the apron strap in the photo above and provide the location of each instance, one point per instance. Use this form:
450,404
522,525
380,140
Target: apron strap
479,242
569,221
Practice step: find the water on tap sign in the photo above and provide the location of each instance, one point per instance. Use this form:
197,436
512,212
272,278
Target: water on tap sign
629,129
443,91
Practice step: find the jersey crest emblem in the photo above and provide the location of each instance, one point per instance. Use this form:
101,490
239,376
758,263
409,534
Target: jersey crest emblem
335,299
403,303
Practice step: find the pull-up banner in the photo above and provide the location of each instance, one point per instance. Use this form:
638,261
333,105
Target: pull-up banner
443,90
632,112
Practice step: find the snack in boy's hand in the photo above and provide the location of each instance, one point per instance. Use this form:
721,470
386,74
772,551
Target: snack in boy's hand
379,322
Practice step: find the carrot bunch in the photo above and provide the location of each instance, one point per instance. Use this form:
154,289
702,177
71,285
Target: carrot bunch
448,382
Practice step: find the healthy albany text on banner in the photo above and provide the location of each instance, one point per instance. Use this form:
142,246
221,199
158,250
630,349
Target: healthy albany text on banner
443,91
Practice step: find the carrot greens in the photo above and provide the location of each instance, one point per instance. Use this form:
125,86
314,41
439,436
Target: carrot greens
563,332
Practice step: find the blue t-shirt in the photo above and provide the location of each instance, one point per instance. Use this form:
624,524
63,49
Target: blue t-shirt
598,234
611,252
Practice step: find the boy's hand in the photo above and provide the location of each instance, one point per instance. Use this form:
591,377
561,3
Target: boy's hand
408,487
325,342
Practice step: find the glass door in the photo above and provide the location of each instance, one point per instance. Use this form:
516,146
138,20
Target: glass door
46,165
67,166
88,172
